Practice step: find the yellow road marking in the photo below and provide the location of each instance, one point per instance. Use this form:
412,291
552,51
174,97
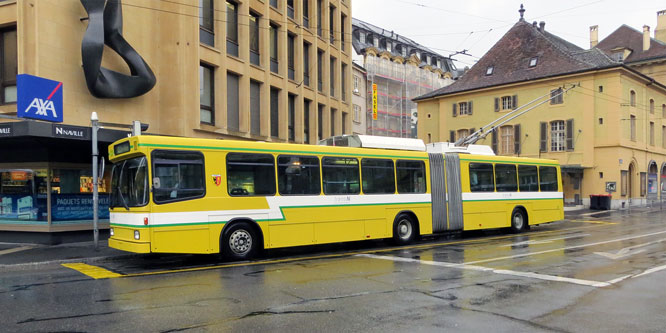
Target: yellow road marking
325,256
596,222
93,271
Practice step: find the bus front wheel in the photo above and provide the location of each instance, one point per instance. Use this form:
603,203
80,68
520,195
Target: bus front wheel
518,220
404,229
239,242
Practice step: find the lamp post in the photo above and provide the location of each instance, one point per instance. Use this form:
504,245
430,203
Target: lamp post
95,154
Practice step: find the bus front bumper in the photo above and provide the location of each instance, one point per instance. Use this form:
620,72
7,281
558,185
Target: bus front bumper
128,246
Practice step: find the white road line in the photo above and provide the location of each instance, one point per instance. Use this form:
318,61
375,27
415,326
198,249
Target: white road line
650,271
599,212
16,249
532,275
566,248
542,241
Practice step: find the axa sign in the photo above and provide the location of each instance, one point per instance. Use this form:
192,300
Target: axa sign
39,98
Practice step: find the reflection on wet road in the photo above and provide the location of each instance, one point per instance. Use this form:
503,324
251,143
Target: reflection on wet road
589,273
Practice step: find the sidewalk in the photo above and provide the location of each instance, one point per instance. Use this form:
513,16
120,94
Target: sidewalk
20,254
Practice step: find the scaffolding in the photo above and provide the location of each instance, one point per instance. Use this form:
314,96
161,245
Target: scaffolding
397,84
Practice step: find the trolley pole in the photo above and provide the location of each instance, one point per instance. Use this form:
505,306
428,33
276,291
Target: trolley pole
95,156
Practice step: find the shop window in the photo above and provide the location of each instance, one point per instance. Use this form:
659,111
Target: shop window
23,194
71,195
250,174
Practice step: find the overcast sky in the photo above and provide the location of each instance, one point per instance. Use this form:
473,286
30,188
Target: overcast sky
448,26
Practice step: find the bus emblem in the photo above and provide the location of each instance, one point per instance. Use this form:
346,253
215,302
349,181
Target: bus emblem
217,179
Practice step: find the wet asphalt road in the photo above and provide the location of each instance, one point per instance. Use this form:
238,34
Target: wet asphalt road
604,273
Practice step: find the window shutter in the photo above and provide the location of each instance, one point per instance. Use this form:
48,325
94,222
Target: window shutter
497,101
570,134
452,136
543,147
515,101
516,143
469,108
455,110
494,141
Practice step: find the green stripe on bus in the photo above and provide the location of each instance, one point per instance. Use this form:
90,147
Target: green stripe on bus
265,220
154,145
507,162
513,199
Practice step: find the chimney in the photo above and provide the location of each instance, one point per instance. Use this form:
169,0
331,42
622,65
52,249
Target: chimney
542,25
646,37
594,36
660,30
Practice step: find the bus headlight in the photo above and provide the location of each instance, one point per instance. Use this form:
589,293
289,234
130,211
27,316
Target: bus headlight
111,231
136,234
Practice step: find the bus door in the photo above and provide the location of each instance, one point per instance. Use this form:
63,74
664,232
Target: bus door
454,189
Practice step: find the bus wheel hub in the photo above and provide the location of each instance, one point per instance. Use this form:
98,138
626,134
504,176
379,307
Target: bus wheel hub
240,241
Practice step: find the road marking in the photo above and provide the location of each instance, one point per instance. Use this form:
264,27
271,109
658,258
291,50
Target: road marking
16,249
565,248
628,251
650,271
532,275
600,212
343,254
92,271
550,240
595,222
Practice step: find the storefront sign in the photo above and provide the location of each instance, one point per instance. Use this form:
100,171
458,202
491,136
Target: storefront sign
6,129
39,98
19,175
71,132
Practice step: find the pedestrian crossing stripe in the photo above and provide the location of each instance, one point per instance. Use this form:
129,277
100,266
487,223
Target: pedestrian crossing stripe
93,271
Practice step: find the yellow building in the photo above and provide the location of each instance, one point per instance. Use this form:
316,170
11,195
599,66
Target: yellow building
270,70
609,128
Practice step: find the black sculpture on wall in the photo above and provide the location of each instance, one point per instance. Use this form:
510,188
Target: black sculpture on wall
105,26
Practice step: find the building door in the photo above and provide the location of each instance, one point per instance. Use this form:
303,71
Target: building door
630,182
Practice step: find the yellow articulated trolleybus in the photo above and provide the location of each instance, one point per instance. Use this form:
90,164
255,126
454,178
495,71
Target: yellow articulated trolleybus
183,195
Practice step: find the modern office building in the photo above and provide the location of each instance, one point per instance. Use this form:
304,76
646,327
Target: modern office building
270,70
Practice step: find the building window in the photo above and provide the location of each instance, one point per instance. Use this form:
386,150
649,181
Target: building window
306,120
557,135
361,38
463,133
254,39
663,136
274,48
343,82
643,183
344,122
332,76
255,107
632,121
274,3
601,89
663,110
632,98
275,112
507,103
306,64
651,133
233,118
320,14
306,13
507,142
291,72
206,97
651,105
404,51
333,115
623,182
331,23
232,28
357,114
489,70
343,22
556,96
356,81
618,56
206,19
291,121
320,121
533,61
290,9
320,70
9,67
465,108
375,41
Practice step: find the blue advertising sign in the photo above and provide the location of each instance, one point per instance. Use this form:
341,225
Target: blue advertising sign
72,207
39,98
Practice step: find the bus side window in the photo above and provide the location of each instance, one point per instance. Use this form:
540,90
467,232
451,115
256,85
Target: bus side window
378,176
250,174
340,175
411,176
482,173
505,178
528,178
548,179
177,176
298,175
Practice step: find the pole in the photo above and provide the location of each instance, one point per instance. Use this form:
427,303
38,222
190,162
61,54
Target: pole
95,154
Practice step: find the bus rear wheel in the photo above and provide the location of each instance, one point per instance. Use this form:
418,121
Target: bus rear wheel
239,242
404,229
518,221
